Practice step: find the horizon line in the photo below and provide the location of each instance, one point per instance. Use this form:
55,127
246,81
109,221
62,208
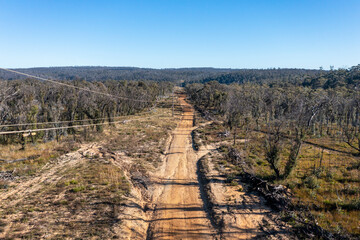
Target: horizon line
175,68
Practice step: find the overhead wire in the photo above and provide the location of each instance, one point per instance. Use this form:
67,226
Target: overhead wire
68,85
69,121
67,127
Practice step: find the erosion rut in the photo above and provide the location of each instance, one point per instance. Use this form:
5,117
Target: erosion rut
179,211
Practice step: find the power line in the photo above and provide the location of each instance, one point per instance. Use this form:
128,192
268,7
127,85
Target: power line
66,127
68,85
69,121
54,128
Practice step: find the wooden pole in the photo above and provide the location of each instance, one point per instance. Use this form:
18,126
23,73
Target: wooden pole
173,103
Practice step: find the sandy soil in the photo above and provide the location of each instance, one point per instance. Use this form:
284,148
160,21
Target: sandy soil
50,174
173,207
20,193
179,212
244,213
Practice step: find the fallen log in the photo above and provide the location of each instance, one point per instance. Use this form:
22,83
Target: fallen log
3,161
7,176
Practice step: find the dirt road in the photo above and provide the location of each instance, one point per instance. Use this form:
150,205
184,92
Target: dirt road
179,211
171,206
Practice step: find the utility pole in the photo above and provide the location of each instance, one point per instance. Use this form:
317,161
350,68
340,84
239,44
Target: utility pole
173,102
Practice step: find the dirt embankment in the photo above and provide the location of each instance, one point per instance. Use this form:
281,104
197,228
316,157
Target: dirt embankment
239,212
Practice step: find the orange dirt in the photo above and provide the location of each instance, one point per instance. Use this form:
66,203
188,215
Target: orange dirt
178,207
179,211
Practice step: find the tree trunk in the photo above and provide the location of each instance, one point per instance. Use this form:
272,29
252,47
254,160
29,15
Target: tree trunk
321,157
234,136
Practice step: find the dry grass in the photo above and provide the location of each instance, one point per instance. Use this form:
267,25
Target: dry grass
85,200
144,139
80,205
332,190
38,154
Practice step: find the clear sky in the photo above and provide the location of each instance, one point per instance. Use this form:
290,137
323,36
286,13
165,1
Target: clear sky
180,33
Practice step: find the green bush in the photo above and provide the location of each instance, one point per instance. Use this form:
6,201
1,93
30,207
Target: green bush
73,182
318,172
329,174
291,185
234,183
312,182
78,189
352,205
230,177
224,149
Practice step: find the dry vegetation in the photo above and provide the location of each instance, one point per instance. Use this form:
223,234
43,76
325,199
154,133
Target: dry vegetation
326,181
74,188
302,133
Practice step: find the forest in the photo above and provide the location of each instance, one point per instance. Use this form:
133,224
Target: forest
184,75
302,132
307,78
120,73
264,76
30,104
191,120
293,129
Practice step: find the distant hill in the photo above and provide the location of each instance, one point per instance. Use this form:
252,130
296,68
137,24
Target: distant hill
349,78
305,77
264,76
119,73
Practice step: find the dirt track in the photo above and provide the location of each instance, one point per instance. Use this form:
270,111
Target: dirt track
180,200
179,211
176,197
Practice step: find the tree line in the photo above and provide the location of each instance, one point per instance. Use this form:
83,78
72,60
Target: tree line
275,75
287,108
32,101
120,73
349,78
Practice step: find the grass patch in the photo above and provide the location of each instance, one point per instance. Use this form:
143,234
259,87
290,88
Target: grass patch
326,181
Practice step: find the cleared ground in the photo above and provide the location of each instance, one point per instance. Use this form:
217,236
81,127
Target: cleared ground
143,181
179,209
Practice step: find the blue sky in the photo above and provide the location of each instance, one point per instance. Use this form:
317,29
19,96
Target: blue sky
180,33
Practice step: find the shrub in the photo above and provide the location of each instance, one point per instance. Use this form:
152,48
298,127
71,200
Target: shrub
352,205
318,172
234,183
73,182
291,184
312,182
230,177
224,149
78,189
329,174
